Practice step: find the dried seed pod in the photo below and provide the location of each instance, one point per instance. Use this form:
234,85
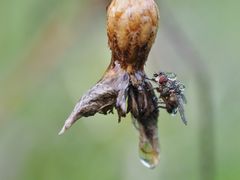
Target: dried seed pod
131,27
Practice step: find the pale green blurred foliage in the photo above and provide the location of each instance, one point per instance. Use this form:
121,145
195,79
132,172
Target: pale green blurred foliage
52,51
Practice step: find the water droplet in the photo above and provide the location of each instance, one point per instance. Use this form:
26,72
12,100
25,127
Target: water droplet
149,157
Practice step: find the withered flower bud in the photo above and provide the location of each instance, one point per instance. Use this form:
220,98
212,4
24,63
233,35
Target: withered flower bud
131,27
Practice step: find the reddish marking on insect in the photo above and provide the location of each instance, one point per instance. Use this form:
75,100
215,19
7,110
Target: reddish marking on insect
171,93
162,79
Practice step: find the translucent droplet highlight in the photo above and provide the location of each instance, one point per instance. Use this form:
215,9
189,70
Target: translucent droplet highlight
149,156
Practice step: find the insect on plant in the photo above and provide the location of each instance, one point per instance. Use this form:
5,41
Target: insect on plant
171,92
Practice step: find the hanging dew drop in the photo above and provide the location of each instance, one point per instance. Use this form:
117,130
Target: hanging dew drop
148,156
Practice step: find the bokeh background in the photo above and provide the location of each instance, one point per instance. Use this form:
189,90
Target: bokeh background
52,51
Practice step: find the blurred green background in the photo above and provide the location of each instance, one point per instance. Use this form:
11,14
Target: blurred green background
52,51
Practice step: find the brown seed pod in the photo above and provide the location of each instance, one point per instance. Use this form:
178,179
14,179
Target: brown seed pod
131,27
